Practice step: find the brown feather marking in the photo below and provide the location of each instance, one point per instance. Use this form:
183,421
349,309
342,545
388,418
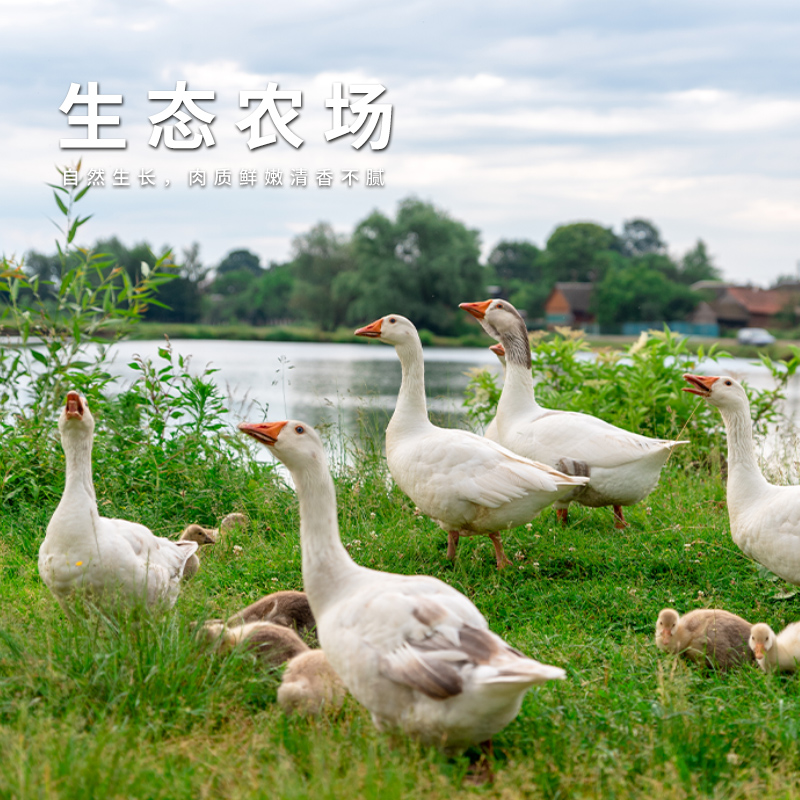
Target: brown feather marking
287,608
479,645
572,466
434,678
428,612
274,644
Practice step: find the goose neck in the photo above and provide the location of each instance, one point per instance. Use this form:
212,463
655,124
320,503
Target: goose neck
517,346
326,563
79,484
412,407
744,474
518,387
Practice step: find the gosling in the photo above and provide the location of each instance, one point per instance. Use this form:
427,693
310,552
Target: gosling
287,608
310,686
776,652
272,644
204,536
706,635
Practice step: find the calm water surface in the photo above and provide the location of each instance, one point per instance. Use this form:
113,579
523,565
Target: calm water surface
330,383
342,383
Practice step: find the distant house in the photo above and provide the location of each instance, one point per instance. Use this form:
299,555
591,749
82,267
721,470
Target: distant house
750,306
568,304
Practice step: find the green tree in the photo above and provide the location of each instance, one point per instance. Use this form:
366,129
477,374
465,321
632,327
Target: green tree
421,265
640,237
322,261
575,252
273,294
697,265
515,261
636,294
518,269
238,260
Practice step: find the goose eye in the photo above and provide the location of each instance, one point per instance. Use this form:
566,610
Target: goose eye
392,320
300,429
728,383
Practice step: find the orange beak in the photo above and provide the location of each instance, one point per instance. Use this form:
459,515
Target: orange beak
371,331
701,384
759,650
478,310
265,432
74,406
498,350
666,635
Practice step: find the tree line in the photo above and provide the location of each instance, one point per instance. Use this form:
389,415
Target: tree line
421,263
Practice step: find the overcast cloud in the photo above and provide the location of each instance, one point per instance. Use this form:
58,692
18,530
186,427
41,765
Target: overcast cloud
513,117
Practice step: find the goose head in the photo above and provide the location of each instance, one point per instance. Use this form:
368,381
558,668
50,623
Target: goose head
762,640
665,628
723,392
293,442
500,352
76,421
497,318
392,329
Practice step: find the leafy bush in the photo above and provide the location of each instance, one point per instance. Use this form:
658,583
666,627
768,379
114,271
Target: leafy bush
157,431
639,389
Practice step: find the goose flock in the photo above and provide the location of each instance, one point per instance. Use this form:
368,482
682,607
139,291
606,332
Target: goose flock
414,651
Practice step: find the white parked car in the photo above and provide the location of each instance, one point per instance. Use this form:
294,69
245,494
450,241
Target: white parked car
756,336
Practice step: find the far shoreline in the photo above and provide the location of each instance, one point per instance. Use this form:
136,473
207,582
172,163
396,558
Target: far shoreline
780,350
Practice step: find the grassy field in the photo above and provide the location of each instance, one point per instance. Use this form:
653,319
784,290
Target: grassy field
96,710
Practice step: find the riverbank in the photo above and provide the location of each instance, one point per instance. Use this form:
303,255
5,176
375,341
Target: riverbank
780,350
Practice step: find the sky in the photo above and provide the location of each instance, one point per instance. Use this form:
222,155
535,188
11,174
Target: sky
512,117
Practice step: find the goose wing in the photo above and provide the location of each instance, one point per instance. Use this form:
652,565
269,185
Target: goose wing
437,643
470,467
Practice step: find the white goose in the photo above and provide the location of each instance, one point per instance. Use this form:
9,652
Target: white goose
765,519
468,484
773,652
410,648
118,563
623,467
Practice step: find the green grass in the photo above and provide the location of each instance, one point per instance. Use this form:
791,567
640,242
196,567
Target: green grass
138,709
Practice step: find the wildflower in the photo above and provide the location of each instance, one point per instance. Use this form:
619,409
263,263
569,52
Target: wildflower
639,344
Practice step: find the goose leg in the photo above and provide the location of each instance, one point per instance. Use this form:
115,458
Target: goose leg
562,514
619,518
499,553
452,543
482,771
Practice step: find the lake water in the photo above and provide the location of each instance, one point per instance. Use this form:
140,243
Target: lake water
343,384
340,384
